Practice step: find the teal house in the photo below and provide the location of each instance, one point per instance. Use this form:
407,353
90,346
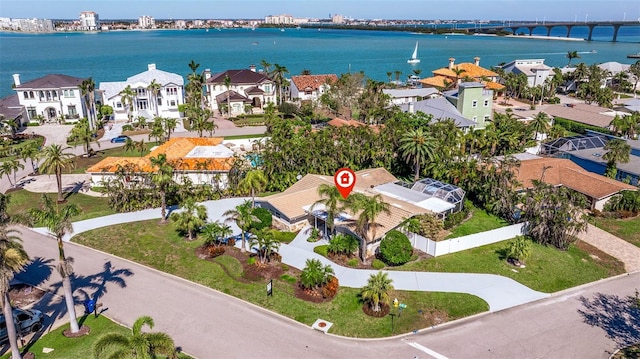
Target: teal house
473,101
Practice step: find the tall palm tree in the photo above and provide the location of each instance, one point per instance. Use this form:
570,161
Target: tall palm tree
634,69
127,97
377,290
278,76
419,146
243,217
458,72
333,204
129,145
540,124
154,90
10,169
162,178
367,208
55,160
58,222
88,88
253,181
227,84
136,344
265,65
265,242
617,152
13,258
572,55
82,133
170,125
192,217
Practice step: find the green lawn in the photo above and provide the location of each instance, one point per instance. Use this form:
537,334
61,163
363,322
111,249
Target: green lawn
76,348
91,207
162,248
547,268
480,221
627,229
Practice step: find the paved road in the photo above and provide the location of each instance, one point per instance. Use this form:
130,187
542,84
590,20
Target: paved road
210,324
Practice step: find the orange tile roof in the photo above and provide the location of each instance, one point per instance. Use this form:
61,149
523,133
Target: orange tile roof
493,85
436,81
564,172
175,149
470,70
338,122
313,82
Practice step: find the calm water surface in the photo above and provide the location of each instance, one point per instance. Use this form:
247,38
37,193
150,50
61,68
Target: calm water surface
116,55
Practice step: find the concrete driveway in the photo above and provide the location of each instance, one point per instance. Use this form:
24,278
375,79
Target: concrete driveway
71,183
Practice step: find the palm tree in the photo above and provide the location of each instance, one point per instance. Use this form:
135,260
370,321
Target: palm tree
213,232
32,153
572,55
539,124
170,125
417,145
127,97
13,258
227,84
265,65
634,69
129,145
154,90
266,243
162,178
278,76
141,146
397,73
82,133
368,209
617,152
314,274
192,217
377,290
253,181
458,72
333,204
57,159
88,88
389,73
58,222
10,168
137,344
243,217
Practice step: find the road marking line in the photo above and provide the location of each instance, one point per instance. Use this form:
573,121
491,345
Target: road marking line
428,351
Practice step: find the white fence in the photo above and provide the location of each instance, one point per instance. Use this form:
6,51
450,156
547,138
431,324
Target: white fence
461,243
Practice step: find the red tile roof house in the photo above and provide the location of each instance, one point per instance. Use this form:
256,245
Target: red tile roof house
247,87
563,172
310,87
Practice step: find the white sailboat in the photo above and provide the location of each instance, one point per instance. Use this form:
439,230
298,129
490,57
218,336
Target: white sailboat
414,58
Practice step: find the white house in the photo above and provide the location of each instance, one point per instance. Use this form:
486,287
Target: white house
310,87
53,97
402,96
89,20
535,70
245,87
144,102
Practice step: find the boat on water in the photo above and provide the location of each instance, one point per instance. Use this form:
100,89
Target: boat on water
414,57
634,56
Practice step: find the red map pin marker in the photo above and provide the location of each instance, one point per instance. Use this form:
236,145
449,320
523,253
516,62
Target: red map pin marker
344,180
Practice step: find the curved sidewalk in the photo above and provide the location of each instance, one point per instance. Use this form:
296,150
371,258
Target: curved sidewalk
499,292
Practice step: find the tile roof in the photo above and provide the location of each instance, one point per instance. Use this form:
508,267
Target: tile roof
304,193
162,77
583,113
53,81
564,172
10,107
312,82
233,97
436,81
238,77
176,150
470,70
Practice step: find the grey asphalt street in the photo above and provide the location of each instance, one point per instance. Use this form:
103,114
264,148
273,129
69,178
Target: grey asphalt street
209,324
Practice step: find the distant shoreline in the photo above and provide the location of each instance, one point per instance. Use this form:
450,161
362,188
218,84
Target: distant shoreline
536,37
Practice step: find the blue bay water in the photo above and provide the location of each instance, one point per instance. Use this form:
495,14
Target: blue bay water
116,55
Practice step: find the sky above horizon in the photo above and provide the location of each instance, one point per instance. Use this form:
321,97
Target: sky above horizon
550,10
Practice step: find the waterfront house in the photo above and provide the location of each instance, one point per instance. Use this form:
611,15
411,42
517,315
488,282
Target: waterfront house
408,95
440,109
451,76
202,160
473,101
591,115
535,70
294,209
12,111
52,98
143,101
310,87
246,91
597,189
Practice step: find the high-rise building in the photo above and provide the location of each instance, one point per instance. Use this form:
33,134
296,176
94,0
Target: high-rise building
146,22
89,21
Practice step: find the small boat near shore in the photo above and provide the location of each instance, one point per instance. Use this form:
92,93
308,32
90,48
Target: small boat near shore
634,56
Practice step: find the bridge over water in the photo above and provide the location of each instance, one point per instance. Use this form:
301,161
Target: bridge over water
550,25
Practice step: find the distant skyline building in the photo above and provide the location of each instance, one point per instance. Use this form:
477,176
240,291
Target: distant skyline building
26,25
283,19
146,22
89,20
337,19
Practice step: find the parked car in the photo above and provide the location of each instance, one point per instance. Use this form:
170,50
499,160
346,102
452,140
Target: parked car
120,139
26,320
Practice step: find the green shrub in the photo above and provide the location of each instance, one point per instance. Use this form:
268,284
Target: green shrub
321,250
430,225
127,128
519,249
288,278
251,260
353,262
396,248
264,218
377,264
343,244
284,237
315,274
